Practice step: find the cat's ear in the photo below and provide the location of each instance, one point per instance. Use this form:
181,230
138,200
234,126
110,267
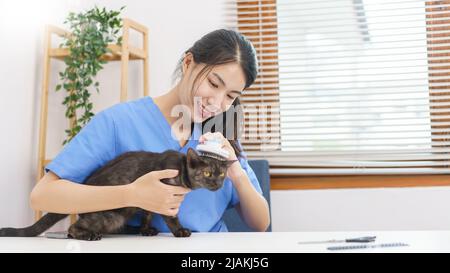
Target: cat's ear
192,158
192,153
230,162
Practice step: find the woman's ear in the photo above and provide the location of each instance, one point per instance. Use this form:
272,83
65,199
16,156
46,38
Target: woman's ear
188,60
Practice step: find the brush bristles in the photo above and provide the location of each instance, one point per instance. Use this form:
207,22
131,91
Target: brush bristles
212,155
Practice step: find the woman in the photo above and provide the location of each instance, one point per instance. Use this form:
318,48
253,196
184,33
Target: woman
214,72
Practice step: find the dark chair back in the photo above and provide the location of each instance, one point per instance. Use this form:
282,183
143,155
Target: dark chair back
231,217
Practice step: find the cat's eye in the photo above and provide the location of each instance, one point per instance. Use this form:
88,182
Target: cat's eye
222,174
206,173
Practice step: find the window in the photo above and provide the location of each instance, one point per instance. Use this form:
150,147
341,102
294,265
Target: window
348,86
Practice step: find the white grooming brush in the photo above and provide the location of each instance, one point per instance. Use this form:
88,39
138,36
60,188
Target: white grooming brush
213,149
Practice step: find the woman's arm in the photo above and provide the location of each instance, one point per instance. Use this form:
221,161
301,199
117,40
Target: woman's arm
66,197
252,207
57,195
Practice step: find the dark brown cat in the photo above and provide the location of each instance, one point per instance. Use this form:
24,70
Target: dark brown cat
194,172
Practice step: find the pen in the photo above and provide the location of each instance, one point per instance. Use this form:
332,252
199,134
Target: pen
351,247
366,239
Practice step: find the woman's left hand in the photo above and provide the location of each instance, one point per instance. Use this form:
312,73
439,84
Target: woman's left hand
235,169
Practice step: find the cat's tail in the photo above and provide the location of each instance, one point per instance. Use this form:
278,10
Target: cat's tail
46,222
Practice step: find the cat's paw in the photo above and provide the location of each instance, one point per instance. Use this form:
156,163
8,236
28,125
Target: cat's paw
86,236
182,232
150,231
95,237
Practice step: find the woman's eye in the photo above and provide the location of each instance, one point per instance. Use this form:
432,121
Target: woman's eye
206,173
214,85
230,97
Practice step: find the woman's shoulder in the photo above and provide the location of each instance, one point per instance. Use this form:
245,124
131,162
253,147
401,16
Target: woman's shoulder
138,108
132,105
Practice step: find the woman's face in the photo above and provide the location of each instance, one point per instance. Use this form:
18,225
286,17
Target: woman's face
214,92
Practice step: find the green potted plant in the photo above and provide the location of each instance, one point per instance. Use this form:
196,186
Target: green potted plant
91,33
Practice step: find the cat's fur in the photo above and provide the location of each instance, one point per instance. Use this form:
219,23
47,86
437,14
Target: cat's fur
126,168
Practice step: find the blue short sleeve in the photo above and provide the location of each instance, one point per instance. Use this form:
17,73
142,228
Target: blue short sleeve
253,179
90,149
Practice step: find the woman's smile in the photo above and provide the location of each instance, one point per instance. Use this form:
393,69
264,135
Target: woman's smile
201,110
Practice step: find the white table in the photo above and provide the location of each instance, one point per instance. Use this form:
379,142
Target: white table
419,241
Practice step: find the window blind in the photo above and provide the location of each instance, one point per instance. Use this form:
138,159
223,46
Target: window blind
348,86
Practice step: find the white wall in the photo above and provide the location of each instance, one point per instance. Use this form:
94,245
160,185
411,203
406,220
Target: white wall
20,70
173,25
361,209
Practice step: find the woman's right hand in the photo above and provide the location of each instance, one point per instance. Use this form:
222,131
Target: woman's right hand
149,193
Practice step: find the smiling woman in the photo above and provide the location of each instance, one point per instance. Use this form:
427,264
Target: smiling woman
213,72
224,64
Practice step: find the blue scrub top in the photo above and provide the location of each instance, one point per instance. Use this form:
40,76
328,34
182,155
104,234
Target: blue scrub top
139,125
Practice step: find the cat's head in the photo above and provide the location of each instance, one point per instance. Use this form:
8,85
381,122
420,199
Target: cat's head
206,172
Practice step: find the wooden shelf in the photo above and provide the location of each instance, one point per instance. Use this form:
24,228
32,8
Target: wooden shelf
123,53
134,53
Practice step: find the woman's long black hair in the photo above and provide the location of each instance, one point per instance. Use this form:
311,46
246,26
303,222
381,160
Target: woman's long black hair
220,47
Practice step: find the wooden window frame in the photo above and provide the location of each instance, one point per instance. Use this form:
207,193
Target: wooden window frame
298,182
